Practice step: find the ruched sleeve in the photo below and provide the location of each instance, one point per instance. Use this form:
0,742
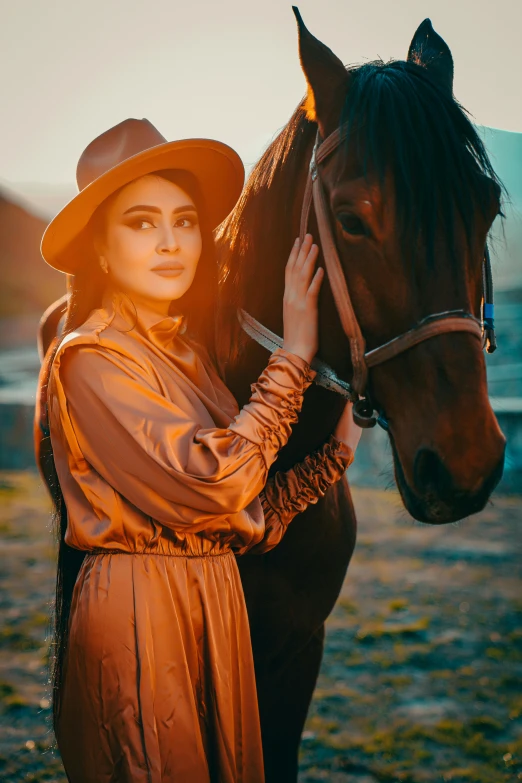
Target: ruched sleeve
152,450
289,492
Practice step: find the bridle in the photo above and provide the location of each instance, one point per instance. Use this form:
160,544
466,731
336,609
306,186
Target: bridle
431,326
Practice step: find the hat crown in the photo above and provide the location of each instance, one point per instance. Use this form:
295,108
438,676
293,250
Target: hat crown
115,145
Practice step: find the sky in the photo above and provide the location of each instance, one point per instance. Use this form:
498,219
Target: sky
227,70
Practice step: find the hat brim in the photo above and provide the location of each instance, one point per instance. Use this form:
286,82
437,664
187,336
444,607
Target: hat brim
217,167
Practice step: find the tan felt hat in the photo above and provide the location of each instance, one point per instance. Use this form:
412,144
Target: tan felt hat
129,150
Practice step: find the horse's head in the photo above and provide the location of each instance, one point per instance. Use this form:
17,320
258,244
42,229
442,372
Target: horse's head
412,196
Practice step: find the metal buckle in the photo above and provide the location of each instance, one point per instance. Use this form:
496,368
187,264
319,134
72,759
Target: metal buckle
313,160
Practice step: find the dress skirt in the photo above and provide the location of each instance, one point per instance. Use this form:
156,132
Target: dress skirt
159,682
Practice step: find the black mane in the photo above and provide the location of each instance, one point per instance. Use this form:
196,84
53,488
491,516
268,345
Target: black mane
271,186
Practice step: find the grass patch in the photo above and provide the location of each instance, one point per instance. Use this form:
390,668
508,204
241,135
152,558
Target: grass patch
18,639
376,630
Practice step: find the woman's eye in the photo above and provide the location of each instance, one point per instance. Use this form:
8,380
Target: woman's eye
184,222
139,223
351,224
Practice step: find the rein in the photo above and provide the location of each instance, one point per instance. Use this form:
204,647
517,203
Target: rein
432,325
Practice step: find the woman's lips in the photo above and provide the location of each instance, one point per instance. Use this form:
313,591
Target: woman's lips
169,271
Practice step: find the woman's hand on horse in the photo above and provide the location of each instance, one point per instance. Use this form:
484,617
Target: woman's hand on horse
302,288
346,430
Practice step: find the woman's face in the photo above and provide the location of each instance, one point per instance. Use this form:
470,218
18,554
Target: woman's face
152,240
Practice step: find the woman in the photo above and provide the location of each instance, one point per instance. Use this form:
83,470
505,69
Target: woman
160,480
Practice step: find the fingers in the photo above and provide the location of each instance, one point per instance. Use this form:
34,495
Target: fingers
292,259
303,252
298,254
305,272
315,285
308,265
300,299
300,267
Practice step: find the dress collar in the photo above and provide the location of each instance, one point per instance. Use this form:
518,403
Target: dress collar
124,317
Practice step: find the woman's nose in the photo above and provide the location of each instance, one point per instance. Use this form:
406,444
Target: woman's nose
168,242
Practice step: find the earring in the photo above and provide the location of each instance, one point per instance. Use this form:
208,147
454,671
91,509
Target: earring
103,265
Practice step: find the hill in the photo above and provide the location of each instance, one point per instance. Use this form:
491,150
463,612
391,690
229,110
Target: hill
28,285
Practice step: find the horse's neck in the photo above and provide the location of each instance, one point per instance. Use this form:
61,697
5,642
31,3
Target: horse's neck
265,287
263,278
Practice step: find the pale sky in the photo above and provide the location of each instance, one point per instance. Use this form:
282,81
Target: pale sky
225,69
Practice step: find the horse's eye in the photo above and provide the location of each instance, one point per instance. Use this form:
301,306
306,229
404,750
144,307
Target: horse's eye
351,224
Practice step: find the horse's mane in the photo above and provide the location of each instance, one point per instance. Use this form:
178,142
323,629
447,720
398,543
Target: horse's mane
399,122
270,186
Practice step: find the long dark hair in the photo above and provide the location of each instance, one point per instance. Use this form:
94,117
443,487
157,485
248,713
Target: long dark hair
86,288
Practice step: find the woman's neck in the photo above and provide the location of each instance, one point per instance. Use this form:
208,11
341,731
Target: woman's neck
148,311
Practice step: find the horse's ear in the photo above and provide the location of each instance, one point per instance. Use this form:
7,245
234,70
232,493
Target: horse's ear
326,76
431,51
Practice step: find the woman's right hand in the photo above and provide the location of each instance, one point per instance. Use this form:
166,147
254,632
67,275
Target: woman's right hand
300,306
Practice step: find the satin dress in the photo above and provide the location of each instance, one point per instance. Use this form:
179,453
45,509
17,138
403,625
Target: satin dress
165,481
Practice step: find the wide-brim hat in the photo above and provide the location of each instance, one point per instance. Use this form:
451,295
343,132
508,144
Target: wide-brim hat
129,150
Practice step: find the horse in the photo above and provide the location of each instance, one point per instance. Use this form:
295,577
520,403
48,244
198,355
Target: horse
409,198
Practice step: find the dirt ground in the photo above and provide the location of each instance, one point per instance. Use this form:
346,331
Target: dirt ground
422,673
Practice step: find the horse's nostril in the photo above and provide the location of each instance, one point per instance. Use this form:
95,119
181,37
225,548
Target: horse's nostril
431,475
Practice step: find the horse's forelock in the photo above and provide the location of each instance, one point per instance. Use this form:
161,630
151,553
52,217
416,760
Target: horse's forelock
400,122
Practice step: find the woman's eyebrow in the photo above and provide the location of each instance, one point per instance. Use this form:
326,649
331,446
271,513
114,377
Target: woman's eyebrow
148,208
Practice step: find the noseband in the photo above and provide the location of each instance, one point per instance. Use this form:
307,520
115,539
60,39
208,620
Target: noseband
437,323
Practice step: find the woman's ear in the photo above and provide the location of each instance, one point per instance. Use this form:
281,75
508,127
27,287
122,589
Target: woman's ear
99,248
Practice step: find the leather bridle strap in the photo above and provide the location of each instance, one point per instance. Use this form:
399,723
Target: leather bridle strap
433,325
314,192
339,288
326,376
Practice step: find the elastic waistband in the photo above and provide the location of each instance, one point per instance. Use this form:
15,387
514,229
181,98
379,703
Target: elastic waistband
161,552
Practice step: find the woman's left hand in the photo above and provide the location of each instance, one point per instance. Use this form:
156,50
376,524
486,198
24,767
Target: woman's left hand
346,430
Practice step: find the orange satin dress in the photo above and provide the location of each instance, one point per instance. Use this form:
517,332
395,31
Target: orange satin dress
164,482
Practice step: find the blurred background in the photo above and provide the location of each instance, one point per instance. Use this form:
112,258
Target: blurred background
429,620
